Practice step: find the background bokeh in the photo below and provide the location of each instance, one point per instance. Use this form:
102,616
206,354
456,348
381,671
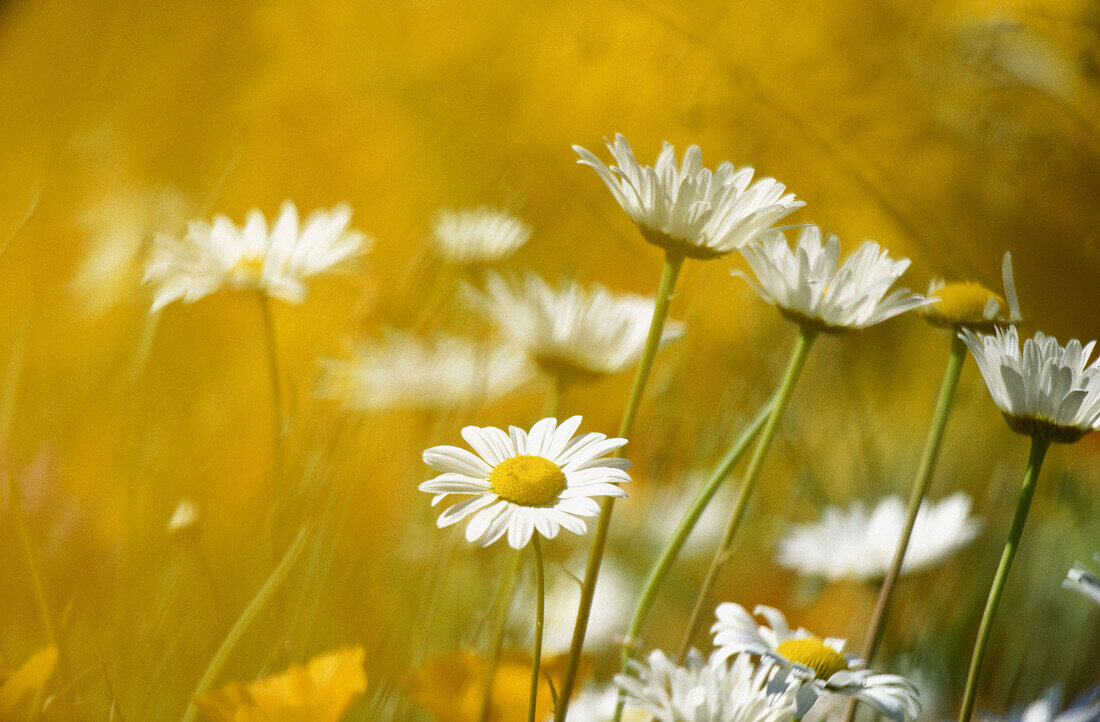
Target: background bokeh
947,131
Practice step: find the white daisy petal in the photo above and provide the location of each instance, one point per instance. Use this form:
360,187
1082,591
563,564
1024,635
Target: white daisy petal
477,236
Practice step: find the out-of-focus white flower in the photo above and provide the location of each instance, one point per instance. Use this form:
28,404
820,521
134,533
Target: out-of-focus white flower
611,607
120,228
815,665
711,690
522,482
570,331
808,286
1081,579
184,517
970,304
688,209
1043,390
855,544
276,262
401,370
598,705
478,235
1048,708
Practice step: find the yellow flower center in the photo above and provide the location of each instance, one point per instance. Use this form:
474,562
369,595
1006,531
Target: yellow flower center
815,654
961,304
527,480
247,272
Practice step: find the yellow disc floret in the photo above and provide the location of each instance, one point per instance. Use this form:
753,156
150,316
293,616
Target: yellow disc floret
247,273
963,304
815,654
527,480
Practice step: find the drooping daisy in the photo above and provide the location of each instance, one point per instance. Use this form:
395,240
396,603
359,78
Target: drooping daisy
971,305
817,665
1044,390
1081,579
1048,708
478,235
689,210
401,370
522,482
712,690
276,262
570,331
321,690
808,287
855,544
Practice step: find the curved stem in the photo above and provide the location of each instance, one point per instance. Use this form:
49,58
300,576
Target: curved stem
263,596
673,263
1039,448
801,350
272,348
500,620
536,653
680,536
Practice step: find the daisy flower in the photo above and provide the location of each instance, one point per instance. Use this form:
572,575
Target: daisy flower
1044,390
479,235
807,286
1048,708
818,666
703,690
688,209
1080,579
401,370
855,544
971,304
522,482
570,331
276,262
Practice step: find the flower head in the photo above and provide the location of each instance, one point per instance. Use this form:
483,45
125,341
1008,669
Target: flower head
522,482
320,690
817,666
703,690
808,287
401,370
1048,708
570,331
688,209
970,304
276,261
1080,579
855,544
1044,390
479,235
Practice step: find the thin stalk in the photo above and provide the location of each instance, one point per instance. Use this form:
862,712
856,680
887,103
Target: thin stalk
673,263
801,350
263,596
551,406
955,361
1039,448
500,620
680,536
540,601
271,346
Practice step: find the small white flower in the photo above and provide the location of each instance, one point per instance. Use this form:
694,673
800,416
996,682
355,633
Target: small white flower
704,690
276,262
612,604
184,517
598,705
1081,579
401,370
570,331
816,665
688,209
808,287
852,544
522,482
970,304
479,235
1043,390
1048,708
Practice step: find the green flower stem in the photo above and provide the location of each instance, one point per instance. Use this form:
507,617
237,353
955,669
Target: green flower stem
679,537
272,348
551,407
925,470
801,350
500,620
673,263
1039,448
267,591
540,601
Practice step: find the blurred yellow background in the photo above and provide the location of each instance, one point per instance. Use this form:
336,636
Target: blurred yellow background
947,131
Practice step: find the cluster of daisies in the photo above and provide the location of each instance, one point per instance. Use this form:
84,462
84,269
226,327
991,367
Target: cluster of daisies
524,485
